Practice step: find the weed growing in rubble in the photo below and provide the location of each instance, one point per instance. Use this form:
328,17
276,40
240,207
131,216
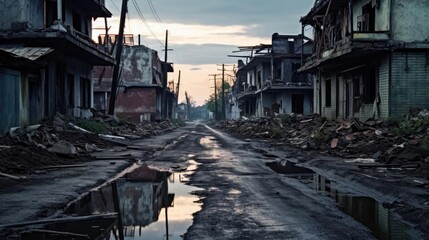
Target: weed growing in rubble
405,128
276,132
178,121
93,126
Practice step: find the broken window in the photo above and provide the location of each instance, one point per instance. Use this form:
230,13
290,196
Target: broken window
328,93
85,93
77,21
370,86
259,75
366,22
296,77
50,13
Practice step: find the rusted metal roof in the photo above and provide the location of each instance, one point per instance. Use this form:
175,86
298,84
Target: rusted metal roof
31,53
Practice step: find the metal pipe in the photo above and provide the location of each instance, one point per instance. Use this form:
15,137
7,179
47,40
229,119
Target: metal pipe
351,18
60,10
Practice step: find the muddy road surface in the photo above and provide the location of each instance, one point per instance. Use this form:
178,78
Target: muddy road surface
245,199
200,183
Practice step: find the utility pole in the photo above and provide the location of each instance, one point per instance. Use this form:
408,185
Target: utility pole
188,104
164,81
223,92
177,89
215,96
120,43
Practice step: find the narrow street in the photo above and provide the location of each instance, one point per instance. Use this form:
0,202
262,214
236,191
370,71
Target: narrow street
222,188
245,199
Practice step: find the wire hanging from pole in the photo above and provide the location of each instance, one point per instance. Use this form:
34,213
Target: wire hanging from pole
145,22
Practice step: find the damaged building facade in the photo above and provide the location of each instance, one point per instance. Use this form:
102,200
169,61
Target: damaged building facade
370,59
139,95
269,83
46,59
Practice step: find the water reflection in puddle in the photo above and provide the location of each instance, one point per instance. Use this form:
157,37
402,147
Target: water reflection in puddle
366,210
153,205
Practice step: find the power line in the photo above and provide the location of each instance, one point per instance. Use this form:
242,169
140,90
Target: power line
145,22
114,4
154,12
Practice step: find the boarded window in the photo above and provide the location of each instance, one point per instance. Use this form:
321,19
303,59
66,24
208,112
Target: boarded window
85,93
328,93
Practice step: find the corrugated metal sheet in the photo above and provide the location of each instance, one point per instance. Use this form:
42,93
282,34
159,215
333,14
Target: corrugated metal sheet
31,53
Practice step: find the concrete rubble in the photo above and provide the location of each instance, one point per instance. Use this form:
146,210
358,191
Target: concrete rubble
64,141
397,142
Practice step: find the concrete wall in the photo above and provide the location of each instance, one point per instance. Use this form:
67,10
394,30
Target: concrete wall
410,82
137,65
12,11
409,21
382,14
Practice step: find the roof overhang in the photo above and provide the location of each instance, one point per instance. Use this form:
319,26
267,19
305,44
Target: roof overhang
63,42
321,7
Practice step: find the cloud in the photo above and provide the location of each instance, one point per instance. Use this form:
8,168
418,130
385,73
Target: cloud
264,17
195,69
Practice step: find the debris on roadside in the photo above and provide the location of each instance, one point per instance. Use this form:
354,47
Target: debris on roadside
396,141
65,140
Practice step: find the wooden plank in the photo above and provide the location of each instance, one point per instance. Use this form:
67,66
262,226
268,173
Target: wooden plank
11,176
62,220
62,166
59,233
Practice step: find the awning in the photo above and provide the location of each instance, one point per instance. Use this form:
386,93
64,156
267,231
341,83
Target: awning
30,53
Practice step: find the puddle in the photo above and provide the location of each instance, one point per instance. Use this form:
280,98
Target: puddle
209,142
287,167
366,210
153,205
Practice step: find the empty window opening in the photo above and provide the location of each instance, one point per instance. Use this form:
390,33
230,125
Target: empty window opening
85,93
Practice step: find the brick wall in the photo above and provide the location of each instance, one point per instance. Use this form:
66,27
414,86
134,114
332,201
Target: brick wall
133,102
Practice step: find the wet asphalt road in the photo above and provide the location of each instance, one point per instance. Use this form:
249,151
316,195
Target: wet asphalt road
244,199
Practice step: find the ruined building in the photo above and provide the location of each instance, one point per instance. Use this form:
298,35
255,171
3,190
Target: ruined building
370,58
269,83
140,85
46,59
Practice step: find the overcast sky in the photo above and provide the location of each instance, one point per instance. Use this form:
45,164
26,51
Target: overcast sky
203,33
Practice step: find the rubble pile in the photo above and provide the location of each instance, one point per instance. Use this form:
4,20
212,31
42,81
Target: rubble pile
393,141
65,140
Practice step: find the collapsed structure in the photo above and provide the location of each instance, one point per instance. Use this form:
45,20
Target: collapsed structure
370,58
269,83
